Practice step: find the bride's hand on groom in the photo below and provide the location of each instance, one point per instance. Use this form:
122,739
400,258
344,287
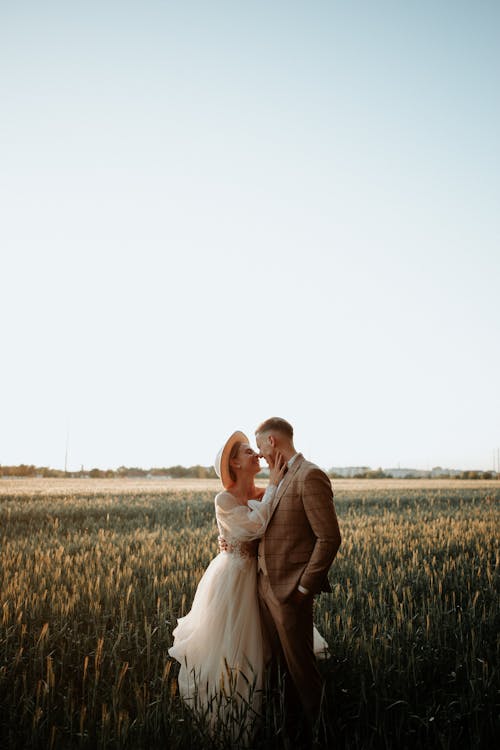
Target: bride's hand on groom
223,545
278,470
246,548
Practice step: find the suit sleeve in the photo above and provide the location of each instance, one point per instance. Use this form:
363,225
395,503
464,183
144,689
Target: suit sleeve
320,511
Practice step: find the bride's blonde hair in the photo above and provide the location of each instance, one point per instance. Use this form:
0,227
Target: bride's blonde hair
233,454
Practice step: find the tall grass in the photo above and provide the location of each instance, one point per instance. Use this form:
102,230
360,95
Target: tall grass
91,587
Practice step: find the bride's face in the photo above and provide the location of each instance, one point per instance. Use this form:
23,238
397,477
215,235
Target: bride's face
246,460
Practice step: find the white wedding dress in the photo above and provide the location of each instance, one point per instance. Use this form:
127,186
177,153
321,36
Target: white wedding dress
219,643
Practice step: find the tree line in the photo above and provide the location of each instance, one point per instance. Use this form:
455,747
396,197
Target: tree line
174,472
381,474
197,472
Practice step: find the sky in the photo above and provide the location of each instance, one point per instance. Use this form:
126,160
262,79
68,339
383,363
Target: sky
217,212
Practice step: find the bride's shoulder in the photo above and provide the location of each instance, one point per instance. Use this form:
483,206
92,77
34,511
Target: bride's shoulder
225,500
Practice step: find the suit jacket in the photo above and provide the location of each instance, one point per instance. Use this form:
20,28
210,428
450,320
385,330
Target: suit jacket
302,536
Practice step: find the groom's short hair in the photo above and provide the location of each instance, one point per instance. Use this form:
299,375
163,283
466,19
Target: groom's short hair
276,424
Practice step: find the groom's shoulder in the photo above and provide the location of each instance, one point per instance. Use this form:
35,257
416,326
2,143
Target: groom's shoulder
308,469
306,465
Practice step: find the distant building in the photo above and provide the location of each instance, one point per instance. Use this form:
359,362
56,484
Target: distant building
400,473
438,471
405,473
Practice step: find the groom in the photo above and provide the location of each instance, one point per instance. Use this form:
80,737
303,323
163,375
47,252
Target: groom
294,556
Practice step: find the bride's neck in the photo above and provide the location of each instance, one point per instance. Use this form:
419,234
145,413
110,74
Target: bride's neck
244,488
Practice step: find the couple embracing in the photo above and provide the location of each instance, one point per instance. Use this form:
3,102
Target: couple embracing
253,608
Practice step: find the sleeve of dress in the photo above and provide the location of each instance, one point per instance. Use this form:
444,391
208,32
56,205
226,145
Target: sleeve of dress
243,523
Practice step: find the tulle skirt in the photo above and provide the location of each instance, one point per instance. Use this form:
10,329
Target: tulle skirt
219,645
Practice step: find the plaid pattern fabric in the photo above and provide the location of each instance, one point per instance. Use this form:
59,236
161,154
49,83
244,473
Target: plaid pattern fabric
303,536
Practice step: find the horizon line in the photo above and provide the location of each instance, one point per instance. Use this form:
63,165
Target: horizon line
350,468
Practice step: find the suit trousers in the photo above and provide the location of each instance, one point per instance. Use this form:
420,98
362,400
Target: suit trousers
288,629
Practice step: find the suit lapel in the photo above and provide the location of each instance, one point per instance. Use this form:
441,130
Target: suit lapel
286,481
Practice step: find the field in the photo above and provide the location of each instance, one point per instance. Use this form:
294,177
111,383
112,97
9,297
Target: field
94,574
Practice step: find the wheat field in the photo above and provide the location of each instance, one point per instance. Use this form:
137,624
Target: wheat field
94,576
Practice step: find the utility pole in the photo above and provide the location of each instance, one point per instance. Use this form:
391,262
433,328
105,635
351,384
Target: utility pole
66,451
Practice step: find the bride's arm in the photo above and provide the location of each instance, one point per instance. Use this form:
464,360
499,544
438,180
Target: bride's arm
235,527
246,522
267,496
246,531
242,523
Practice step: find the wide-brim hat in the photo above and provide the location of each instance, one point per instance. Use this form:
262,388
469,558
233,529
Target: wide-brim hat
221,463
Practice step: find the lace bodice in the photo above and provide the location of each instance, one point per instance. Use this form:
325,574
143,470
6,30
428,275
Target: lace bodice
240,524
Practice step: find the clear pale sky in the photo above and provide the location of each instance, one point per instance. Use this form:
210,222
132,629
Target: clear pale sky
215,212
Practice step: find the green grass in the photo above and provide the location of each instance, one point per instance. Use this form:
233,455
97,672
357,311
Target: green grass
91,587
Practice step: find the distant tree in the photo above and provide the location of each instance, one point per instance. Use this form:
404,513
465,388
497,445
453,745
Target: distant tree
26,470
135,471
45,471
372,474
177,471
470,475
263,474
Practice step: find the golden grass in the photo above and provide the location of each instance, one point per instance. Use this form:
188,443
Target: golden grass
94,574
130,486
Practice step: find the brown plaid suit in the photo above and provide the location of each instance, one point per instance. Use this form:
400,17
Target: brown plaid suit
300,543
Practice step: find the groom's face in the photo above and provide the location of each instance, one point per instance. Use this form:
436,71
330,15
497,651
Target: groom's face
267,446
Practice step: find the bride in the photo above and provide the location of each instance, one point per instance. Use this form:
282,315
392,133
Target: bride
219,643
